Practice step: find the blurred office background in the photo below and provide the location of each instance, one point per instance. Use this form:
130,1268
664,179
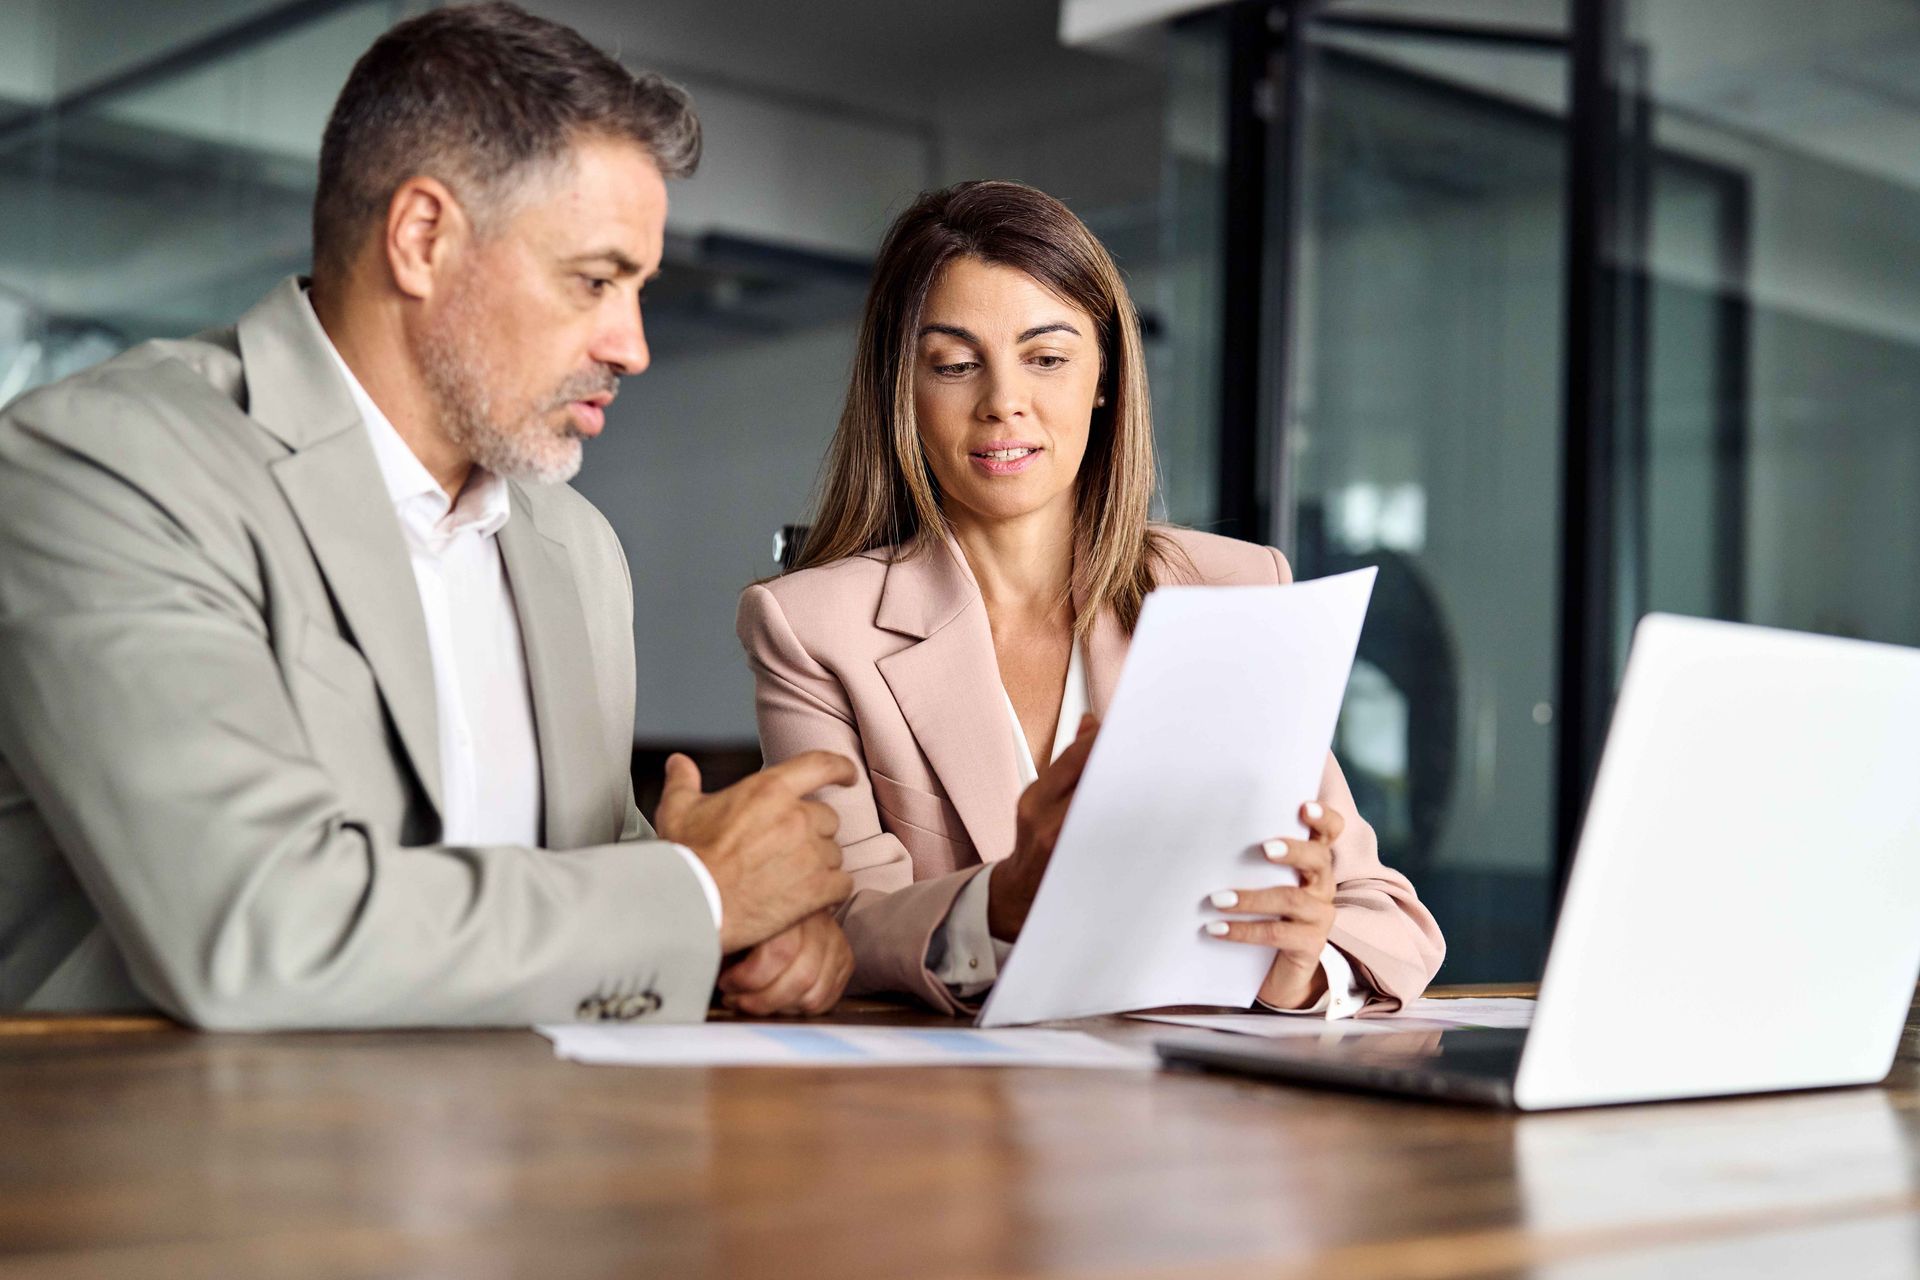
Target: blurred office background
1557,310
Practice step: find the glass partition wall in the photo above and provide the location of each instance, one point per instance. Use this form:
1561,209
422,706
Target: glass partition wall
1427,275
1570,310
1413,229
156,182
1806,124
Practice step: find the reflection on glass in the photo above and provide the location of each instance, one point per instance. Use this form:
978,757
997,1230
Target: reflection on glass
1427,367
1649,1168
163,207
1184,366
1783,333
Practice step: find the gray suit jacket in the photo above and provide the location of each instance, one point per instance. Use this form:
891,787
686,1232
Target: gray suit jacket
219,785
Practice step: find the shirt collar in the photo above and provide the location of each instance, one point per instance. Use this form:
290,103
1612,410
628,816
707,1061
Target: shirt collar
425,511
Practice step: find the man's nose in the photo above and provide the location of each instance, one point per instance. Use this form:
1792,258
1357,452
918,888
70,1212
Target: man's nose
623,346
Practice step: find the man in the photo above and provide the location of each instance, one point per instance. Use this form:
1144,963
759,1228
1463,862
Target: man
316,682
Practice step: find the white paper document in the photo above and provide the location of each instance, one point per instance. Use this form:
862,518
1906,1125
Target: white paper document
1422,1015
1217,734
791,1044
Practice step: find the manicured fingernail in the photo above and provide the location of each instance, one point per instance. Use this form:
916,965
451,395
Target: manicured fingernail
1276,850
1314,811
1224,899
1217,928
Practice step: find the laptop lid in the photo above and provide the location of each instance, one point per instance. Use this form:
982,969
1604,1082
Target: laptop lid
1744,908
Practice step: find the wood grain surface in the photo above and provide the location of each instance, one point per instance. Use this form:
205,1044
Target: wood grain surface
134,1148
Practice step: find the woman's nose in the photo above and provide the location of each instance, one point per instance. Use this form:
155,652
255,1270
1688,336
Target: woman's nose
1003,398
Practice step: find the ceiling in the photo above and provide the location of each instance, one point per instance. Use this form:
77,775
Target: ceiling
988,64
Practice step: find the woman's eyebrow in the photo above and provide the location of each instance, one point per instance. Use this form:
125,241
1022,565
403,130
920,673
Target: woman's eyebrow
967,335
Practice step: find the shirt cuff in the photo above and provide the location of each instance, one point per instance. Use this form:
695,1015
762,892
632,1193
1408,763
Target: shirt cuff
705,877
1343,997
963,953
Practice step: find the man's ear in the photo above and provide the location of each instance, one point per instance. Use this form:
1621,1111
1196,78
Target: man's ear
425,228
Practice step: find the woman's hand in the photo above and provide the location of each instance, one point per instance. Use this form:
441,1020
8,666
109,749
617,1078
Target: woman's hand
1294,921
1043,807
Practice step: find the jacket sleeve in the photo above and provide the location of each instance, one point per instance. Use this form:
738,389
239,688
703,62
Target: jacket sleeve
150,725
1379,922
891,919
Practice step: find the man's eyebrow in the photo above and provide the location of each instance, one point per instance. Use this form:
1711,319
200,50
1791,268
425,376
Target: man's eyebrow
621,263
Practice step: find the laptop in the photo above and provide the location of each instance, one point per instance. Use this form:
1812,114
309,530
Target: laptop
1743,914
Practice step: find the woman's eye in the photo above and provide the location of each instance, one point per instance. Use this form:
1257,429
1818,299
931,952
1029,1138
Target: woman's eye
1049,362
953,370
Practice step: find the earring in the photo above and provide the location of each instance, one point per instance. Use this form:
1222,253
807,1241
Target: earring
1099,402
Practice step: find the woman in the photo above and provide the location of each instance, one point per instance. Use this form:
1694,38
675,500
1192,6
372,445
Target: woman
966,593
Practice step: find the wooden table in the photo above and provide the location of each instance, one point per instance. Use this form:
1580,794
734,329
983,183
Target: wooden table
138,1149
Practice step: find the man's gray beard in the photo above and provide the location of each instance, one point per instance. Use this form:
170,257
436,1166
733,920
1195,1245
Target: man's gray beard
516,445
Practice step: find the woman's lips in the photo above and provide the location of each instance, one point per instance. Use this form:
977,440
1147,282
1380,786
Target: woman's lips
1005,459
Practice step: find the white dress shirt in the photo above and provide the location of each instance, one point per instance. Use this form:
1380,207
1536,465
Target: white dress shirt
489,750
967,957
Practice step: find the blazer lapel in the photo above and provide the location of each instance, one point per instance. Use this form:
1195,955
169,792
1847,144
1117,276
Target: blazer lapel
949,690
332,482
566,714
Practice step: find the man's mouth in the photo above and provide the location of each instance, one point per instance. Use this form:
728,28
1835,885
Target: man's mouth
590,413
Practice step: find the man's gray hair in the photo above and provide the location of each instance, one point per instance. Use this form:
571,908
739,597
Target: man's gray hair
476,96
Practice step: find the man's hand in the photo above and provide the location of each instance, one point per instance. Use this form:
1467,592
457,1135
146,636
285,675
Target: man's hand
1293,921
770,850
803,971
1043,807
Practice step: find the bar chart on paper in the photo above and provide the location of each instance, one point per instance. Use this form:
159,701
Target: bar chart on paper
827,1045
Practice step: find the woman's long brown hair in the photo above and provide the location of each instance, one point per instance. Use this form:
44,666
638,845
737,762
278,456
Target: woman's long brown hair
877,491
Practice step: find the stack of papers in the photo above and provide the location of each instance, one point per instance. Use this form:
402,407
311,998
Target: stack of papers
779,1044
1422,1015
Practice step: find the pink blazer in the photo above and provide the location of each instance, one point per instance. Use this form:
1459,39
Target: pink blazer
891,663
